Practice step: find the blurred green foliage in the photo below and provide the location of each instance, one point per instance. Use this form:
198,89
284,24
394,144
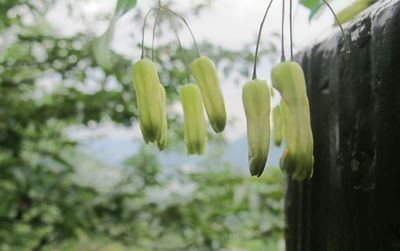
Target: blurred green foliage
352,10
355,7
49,82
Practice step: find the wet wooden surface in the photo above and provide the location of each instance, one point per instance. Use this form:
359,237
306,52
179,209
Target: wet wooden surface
353,200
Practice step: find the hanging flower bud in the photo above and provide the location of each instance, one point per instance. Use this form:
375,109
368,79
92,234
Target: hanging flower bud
256,102
149,100
297,161
194,120
277,124
162,141
205,73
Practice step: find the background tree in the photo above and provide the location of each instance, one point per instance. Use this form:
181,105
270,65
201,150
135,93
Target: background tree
46,205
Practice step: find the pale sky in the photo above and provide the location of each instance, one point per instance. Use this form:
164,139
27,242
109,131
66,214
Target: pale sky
230,23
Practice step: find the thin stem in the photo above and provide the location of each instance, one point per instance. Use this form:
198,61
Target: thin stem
348,50
154,33
259,39
188,27
185,61
283,59
144,28
291,29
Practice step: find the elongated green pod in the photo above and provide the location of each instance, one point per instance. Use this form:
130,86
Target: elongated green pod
162,141
288,79
149,99
256,102
206,76
277,125
194,119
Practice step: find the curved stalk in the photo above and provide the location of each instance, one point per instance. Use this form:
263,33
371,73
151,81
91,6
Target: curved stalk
259,39
188,27
283,59
160,10
144,28
291,29
181,48
348,50
154,33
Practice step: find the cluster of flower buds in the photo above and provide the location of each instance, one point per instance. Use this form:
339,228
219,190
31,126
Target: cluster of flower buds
204,93
297,159
151,103
291,118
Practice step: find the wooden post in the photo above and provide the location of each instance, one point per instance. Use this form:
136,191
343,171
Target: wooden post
352,203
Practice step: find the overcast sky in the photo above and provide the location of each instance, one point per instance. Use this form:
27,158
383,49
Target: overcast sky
230,23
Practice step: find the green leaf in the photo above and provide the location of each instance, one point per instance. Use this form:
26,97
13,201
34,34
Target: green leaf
315,6
311,4
101,47
123,6
352,10
317,10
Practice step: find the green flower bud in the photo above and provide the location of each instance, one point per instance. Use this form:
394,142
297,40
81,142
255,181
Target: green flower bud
162,141
297,161
256,101
194,120
149,100
205,73
278,126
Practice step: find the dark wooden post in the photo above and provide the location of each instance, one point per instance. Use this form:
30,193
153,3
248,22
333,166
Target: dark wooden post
353,201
